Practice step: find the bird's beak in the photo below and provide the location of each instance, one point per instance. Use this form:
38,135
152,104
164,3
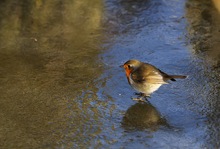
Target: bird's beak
122,66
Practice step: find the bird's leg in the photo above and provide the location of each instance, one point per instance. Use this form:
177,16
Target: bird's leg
146,98
142,95
139,94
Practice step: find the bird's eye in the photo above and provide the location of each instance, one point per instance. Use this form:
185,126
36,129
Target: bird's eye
129,66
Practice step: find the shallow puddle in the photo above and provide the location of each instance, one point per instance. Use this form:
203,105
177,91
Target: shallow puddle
62,87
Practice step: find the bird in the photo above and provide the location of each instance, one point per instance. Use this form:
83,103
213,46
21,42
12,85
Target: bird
146,78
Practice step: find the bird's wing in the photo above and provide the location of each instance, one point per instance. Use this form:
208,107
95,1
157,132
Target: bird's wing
148,74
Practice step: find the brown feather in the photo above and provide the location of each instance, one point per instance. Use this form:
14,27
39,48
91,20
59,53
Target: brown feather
150,74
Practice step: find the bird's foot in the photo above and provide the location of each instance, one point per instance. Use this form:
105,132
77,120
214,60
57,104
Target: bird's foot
141,99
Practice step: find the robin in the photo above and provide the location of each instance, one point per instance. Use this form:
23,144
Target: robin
146,78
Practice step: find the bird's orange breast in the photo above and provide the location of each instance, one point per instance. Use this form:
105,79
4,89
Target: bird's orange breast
127,72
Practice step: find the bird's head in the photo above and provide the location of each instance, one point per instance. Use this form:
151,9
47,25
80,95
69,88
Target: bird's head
130,66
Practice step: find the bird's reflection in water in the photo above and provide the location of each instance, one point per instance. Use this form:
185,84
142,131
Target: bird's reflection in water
142,116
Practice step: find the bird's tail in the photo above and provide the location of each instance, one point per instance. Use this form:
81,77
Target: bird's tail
173,77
